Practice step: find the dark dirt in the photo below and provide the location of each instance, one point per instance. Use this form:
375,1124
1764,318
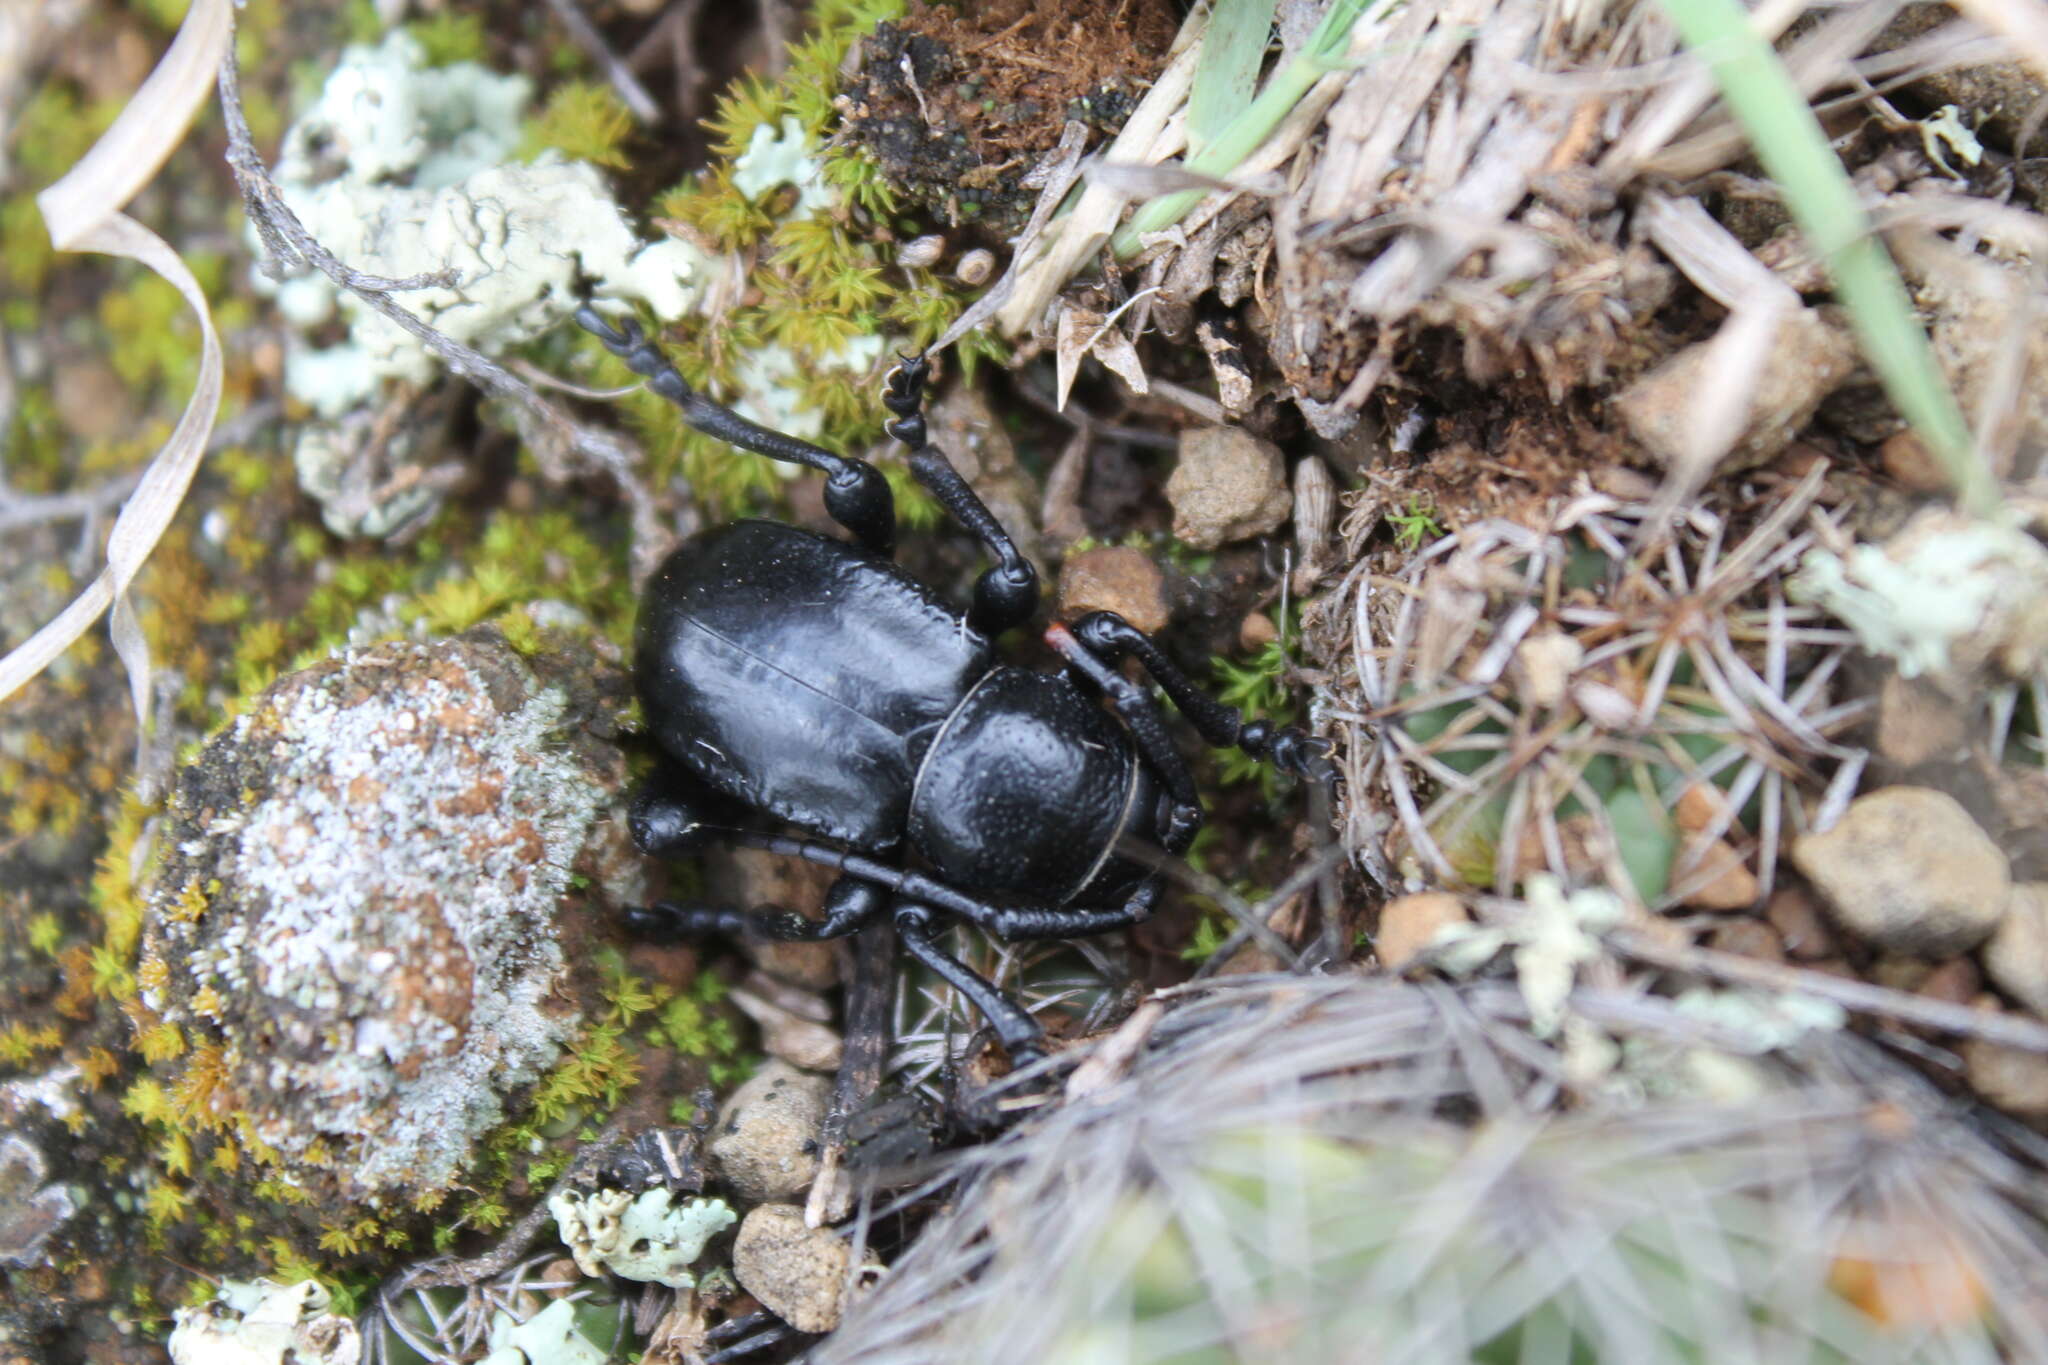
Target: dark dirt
958,106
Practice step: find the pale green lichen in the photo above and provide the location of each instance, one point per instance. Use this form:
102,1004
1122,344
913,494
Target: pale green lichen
402,171
263,1322
549,1337
779,155
1946,593
645,1238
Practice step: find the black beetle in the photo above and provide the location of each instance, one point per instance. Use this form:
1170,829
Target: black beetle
810,680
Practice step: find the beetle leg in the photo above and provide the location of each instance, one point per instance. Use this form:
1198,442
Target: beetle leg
1286,747
1069,921
1006,594
1141,715
856,494
1018,1032
849,906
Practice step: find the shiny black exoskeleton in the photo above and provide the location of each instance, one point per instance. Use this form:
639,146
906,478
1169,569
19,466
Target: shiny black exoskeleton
809,680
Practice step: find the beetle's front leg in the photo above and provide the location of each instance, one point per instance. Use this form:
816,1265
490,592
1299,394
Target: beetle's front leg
856,494
1286,747
1006,594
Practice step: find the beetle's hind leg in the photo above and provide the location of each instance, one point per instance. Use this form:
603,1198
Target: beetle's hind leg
1006,594
856,494
1014,1027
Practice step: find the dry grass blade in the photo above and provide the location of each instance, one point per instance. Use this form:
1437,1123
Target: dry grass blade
83,212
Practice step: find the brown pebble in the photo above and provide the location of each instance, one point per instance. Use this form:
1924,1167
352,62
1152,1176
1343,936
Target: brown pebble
1901,973
1748,938
1257,631
1116,578
1799,922
1909,870
1409,923
1911,464
1703,806
796,1271
2013,1079
1956,981
1917,722
1229,485
1717,878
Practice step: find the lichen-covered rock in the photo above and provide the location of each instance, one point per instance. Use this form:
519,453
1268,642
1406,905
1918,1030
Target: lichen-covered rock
350,957
797,1272
30,1210
1229,485
767,1144
1907,869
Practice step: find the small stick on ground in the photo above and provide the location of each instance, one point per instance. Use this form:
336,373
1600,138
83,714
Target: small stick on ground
860,1067
1860,997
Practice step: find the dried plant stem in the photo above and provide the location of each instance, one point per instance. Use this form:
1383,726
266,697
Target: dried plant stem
1858,996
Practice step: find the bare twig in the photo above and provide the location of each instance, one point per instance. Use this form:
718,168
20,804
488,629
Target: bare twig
1859,996
559,443
585,35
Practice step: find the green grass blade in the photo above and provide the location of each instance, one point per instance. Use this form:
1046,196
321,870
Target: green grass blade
1227,73
1794,150
1243,134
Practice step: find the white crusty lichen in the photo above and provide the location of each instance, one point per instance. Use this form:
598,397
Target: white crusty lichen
263,1322
401,170
1947,595
646,1238
365,941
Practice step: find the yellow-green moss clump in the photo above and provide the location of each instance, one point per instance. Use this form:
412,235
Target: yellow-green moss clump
803,346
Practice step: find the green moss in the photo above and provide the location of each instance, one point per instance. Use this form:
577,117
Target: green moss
155,338
584,121
449,37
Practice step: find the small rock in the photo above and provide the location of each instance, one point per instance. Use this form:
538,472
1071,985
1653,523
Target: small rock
767,1142
1116,578
2011,1078
2017,955
1408,924
787,1035
1256,631
1229,485
1955,981
1909,870
1703,806
1809,359
1714,878
1912,465
1748,938
1917,722
795,1271
1800,925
